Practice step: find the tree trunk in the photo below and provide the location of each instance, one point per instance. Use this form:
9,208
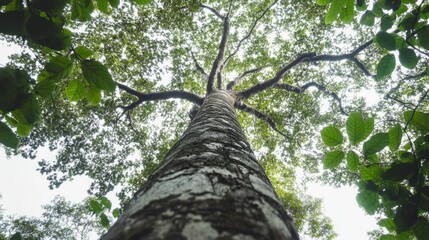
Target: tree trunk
209,186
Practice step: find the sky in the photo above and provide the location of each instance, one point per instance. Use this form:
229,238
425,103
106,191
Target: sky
24,189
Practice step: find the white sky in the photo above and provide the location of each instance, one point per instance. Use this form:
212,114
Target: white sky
24,190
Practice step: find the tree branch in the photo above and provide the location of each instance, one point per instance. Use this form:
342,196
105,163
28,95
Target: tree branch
248,34
321,88
349,56
198,66
238,79
156,96
279,75
222,17
415,109
216,64
244,107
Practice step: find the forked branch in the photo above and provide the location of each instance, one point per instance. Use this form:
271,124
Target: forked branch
238,79
248,34
258,114
222,17
156,96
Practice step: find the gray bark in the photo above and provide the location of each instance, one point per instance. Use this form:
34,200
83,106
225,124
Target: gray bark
209,186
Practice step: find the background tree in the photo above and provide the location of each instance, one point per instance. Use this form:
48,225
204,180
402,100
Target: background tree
176,49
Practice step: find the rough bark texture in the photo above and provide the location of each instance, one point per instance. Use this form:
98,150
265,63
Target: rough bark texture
209,186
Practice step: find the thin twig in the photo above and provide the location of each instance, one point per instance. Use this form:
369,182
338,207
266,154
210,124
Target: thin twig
238,79
321,88
222,17
415,109
244,107
198,66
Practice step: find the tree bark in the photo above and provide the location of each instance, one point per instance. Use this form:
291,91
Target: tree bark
209,186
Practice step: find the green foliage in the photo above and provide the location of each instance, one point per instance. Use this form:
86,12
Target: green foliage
386,66
386,40
376,143
333,159
331,136
408,58
98,75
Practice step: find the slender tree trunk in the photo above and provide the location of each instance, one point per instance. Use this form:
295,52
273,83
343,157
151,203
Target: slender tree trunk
209,186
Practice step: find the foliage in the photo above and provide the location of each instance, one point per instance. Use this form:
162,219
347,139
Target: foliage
60,220
64,92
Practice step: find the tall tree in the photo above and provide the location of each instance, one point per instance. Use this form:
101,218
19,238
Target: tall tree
261,58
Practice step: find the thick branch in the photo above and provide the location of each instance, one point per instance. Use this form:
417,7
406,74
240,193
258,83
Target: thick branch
279,75
248,34
349,56
217,62
156,96
321,88
256,113
222,17
241,77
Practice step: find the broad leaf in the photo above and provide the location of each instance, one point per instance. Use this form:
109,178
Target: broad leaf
367,18
106,202
368,200
24,129
95,206
142,2
7,137
348,12
386,23
97,74
103,5
114,3
331,136
371,173
59,67
333,159
116,212
376,143
352,161
334,10
421,228
75,91
323,2
405,217
29,112
388,224
355,127
45,88
83,52
386,41
46,33
369,127
105,222
418,120
408,58
400,171
386,66
395,137
13,23
423,36
93,95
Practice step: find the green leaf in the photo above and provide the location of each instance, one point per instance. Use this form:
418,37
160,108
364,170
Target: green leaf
371,173
348,13
376,143
323,2
369,126
75,91
59,66
395,137
83,52
24,129
103,6
333,159
388,224
114,3
105,222
45,88
116,212
355,127
405,217
423,36
331,136
386,23
142,2
98,75
419,120
386,66
95,206
367,18
7,137
334,10
386,41
407,22
14,86
368,200
13,23
17,236
408,58
400,171
93,95
29,112
46,33
388,237
421,228
51,6
81,10
352,161
106,202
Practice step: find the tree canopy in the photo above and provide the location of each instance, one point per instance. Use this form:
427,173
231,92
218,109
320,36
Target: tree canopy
92,74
